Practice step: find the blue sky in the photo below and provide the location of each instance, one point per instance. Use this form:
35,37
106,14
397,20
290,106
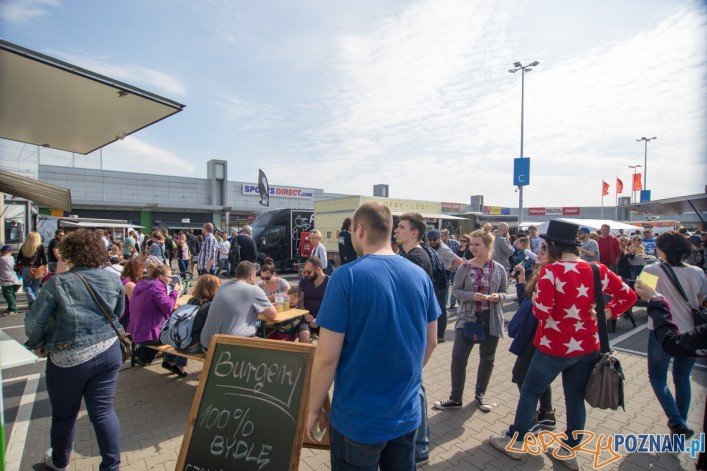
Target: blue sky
344,95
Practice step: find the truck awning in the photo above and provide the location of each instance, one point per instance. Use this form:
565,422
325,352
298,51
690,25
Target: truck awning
50,103
98,225
44,194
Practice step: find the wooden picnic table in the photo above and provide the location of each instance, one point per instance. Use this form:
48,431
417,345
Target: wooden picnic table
282,317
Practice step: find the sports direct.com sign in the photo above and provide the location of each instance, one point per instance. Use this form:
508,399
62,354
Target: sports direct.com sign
280,192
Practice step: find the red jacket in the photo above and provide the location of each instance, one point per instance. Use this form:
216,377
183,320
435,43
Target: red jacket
562,304
609,250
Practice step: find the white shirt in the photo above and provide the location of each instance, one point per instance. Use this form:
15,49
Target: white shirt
223,248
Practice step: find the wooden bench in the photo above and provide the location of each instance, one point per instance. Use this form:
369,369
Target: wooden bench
170,351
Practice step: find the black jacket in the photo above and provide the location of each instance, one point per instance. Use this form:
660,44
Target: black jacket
249,251
346,249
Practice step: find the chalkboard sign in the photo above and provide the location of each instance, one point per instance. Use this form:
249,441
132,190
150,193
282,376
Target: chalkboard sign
250,409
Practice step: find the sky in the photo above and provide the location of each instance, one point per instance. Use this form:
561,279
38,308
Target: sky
414,94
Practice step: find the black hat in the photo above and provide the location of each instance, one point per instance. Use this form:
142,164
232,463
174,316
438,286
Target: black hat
562,232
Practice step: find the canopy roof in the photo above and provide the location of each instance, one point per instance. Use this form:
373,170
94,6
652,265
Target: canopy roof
43,194
50,103
590,223
678,205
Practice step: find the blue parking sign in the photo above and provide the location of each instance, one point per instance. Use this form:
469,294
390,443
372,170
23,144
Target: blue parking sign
645,196
521,171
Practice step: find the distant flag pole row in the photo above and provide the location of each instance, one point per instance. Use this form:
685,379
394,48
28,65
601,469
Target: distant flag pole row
637,186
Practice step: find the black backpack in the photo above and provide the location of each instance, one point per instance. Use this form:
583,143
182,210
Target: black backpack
234,253
439,274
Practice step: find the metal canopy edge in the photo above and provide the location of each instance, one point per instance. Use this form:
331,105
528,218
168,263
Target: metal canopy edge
51,196
678,205
47,102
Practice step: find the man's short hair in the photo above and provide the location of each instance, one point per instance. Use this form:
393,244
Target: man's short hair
503,225
245,269
605,225
315,262
247,230
208,227
59,231
445,232
377,219
417,223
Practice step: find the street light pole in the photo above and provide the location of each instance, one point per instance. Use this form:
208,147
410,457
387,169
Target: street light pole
523,69
645,159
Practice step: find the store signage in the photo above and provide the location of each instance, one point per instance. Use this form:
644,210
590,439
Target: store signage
186,221
565,211
280,192
451,207
496,210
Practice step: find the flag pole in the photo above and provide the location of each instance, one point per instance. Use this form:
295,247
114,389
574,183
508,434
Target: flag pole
616,201
602,199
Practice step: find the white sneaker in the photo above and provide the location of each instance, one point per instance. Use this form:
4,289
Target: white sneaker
501,442
561,454
47,460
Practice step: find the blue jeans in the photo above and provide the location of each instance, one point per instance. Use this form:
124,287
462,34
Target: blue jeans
541,373
678,407
30,286
183,266
396,454
175,360
94,382
450,282
422,434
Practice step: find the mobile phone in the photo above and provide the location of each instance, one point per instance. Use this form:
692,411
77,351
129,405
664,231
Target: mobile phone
176,280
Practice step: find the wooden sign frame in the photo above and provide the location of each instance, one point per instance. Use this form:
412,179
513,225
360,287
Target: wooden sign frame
256,343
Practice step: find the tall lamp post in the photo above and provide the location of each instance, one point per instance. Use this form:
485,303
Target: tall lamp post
523,69
645,158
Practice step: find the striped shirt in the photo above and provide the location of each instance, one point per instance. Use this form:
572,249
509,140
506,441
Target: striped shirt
207,252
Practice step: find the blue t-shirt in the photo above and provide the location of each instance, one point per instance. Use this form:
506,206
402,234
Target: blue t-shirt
382,303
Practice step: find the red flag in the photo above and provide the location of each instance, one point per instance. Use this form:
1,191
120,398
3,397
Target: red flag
604,188
637,186
619,186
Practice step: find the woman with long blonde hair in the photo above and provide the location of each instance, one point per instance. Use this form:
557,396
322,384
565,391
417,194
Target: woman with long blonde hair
32,255
318,249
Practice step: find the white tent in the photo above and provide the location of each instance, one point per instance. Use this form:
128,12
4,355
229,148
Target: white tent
593,224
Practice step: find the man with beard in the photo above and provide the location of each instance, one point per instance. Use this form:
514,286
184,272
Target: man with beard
312,287
589,251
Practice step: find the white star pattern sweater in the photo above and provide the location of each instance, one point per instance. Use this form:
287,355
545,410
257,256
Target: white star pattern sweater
563,303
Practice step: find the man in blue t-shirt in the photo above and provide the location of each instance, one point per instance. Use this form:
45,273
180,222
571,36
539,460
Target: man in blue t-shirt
378,328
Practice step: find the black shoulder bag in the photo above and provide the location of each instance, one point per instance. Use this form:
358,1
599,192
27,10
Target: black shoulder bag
699,316
126,340
605,387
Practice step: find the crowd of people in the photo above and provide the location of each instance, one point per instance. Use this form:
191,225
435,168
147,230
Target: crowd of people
396,280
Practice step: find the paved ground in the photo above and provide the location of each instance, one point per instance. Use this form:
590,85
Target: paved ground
153,406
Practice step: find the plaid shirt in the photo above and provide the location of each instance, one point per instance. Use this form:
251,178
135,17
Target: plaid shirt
207,252
454,245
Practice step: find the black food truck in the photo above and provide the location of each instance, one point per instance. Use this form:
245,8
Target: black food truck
278,233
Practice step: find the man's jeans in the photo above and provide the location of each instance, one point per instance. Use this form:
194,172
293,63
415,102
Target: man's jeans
93,381
441,295
678,407
541,373
422,435
395,454
450,283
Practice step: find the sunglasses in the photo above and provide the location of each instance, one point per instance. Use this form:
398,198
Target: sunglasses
306,272
543,248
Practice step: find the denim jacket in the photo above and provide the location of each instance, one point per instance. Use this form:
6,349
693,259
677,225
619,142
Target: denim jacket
65,316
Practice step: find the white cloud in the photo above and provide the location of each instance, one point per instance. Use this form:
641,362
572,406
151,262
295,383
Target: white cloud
21,11
425,103
250,116
150,79
132,154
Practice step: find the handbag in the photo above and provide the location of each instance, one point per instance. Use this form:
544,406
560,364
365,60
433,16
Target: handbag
605,386
699,316
474,332
126,340
37,273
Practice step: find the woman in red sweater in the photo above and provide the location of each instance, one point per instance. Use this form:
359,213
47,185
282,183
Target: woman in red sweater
567,337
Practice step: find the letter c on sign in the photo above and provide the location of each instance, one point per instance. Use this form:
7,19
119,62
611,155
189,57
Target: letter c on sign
521,178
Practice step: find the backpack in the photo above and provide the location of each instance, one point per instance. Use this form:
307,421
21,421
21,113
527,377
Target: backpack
234,253
439,274
170,243
177,330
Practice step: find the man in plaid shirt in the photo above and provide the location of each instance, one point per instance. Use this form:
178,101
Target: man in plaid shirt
207,254
454,245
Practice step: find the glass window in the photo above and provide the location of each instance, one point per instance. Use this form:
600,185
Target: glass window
219,171
276,235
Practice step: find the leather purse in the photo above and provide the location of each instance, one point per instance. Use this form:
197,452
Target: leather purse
126,340
37,273
605,387
474,332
